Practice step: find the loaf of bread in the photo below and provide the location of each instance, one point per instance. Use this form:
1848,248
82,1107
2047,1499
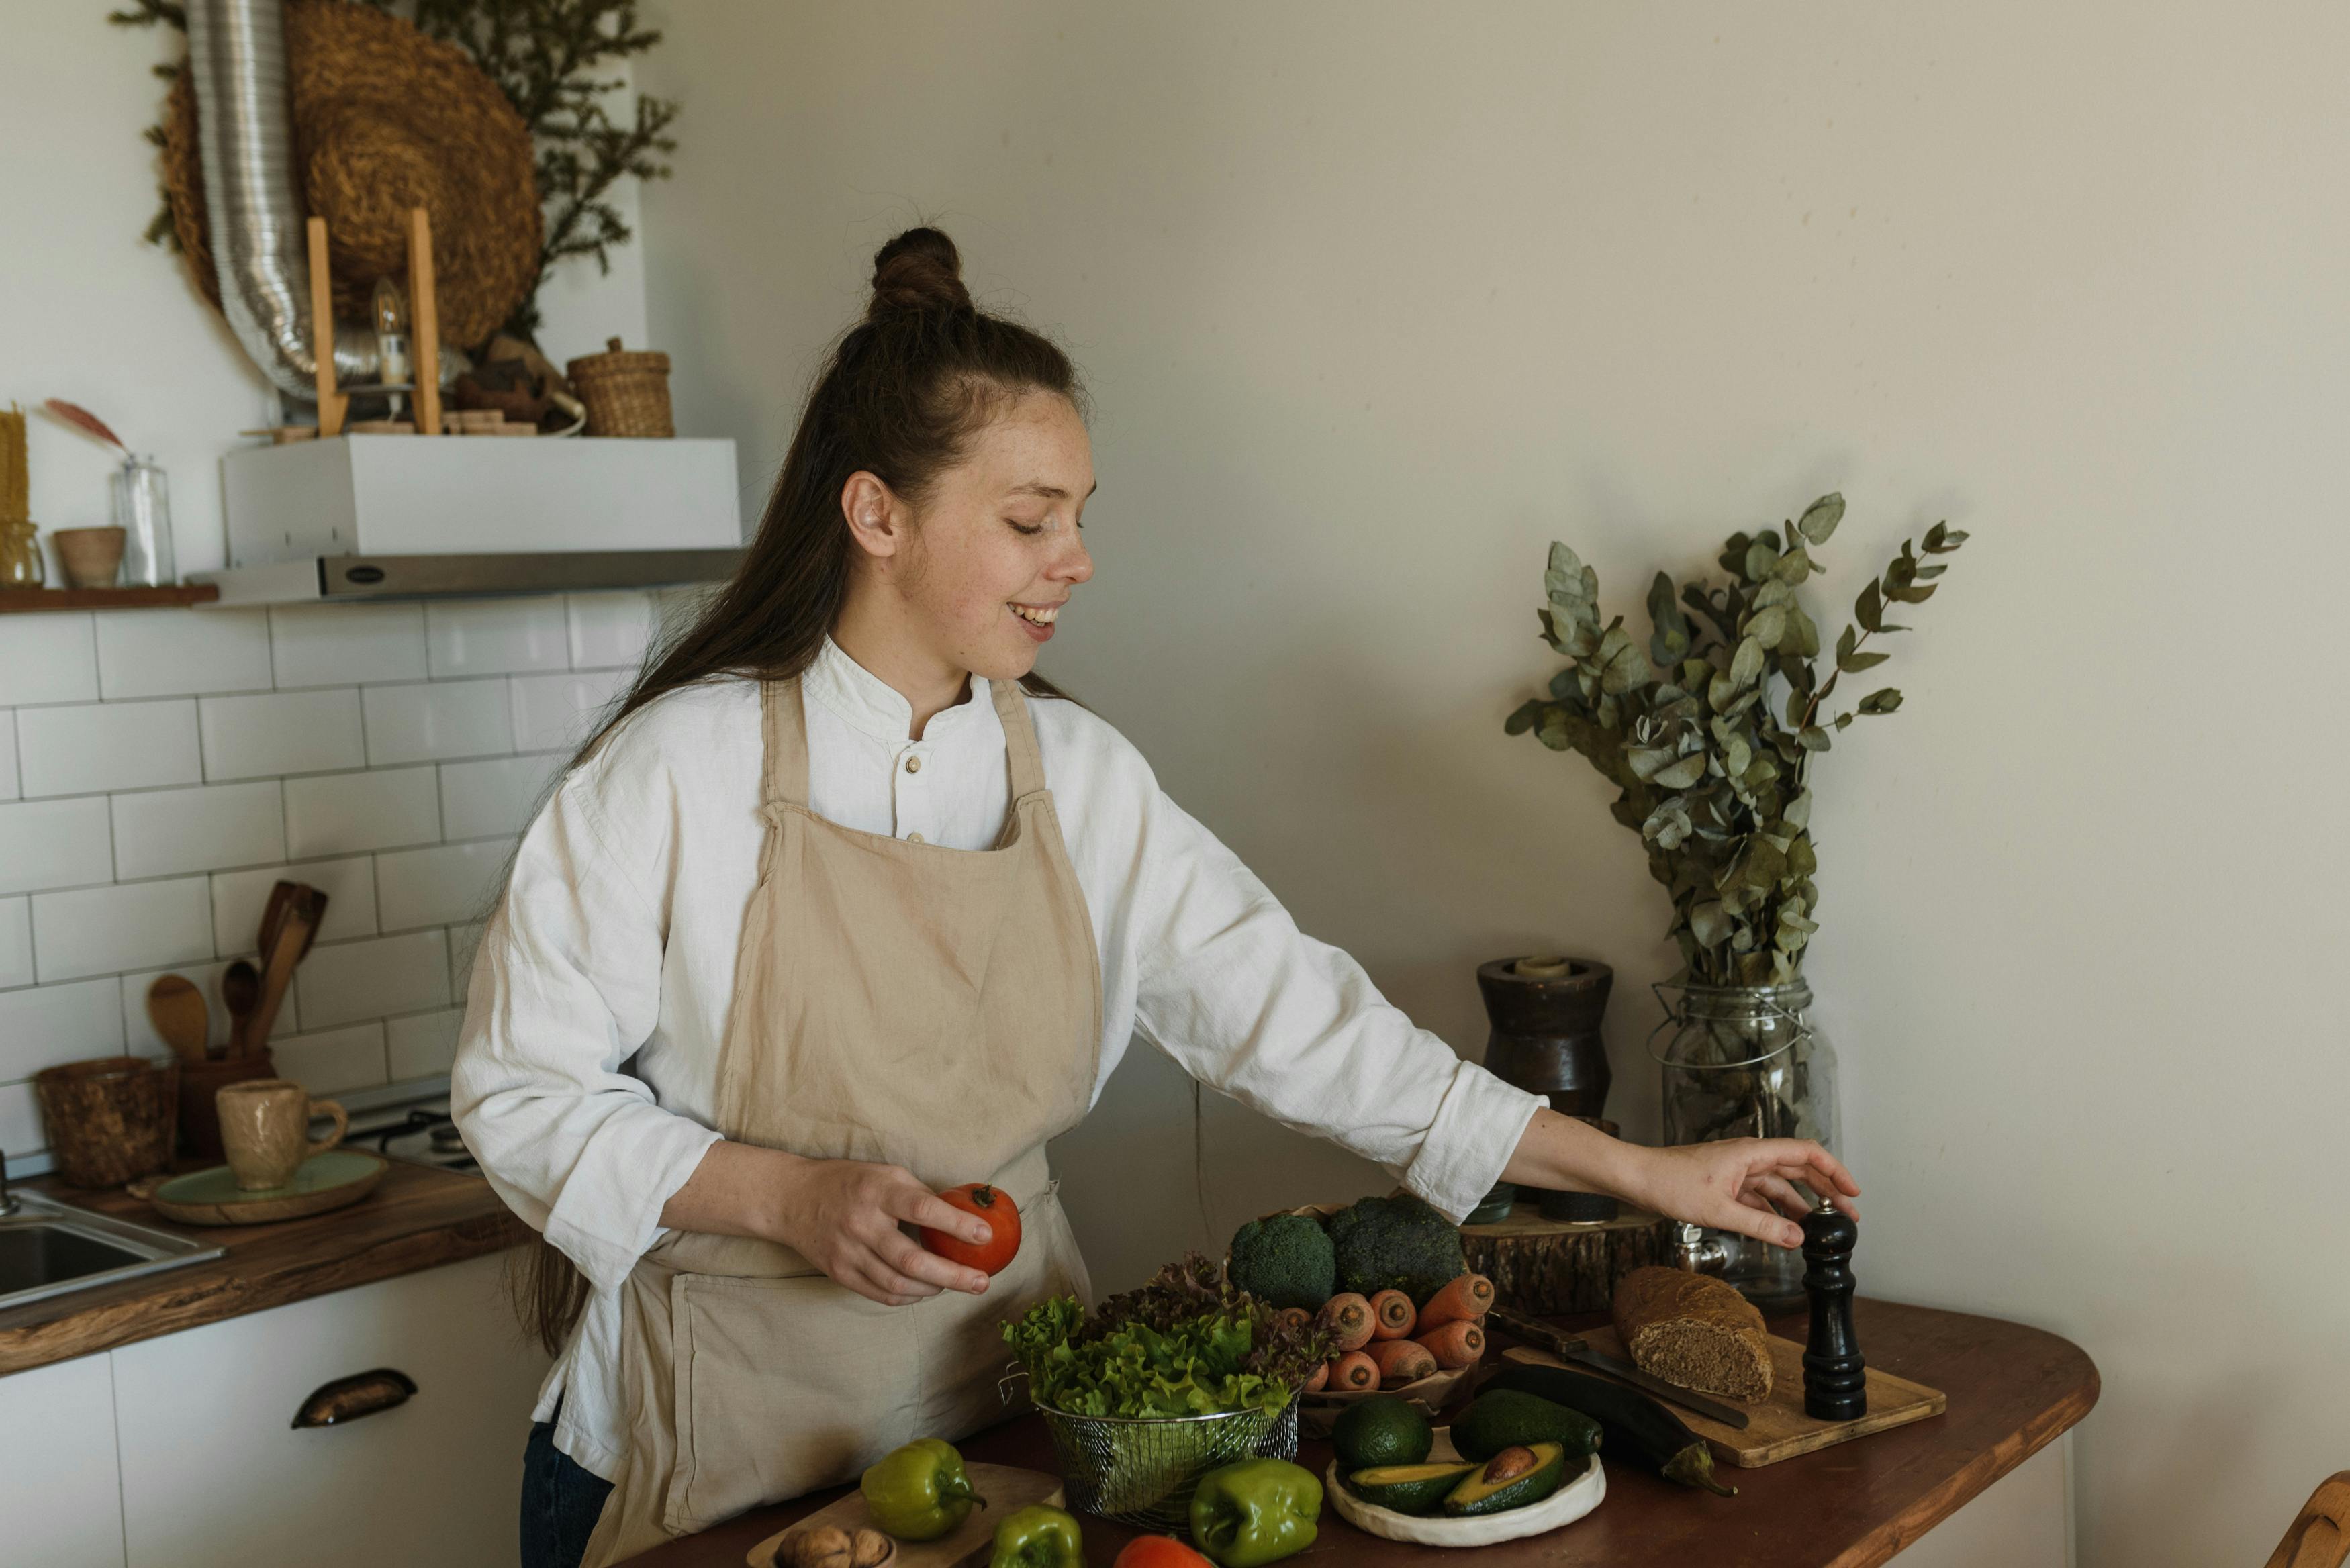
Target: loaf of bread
1694,1331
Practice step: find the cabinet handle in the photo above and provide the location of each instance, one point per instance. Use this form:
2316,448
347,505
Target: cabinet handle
348,1398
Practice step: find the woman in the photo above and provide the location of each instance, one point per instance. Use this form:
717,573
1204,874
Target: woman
845,906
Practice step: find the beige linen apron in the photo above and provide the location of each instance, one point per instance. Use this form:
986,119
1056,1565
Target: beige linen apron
934,1008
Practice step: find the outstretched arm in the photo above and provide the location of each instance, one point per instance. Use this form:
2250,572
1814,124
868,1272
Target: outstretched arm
1743,1185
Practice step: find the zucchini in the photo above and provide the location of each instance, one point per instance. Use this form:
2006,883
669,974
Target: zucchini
1636,1426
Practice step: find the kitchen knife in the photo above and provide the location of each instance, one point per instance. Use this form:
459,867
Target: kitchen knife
1567,1347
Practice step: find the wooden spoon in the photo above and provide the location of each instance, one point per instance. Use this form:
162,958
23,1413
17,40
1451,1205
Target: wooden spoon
240,990
177,1010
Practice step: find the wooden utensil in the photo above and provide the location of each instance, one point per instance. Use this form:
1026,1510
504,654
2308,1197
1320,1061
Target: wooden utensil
282,895
176,1008
292,941
241,992
285,899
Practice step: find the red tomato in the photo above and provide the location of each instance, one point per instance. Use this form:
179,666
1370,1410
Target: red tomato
991,1204
1159,1552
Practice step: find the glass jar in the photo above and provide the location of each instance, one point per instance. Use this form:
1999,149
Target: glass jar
1744,1062
142,510
20,556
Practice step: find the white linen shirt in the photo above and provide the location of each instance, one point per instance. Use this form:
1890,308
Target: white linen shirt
586,1070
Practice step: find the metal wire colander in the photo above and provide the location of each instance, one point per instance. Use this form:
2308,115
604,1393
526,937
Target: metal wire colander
1143,1471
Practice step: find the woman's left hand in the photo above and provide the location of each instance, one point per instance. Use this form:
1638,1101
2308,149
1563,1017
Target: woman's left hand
1741,1184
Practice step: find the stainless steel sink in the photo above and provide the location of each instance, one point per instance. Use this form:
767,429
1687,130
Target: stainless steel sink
48,1248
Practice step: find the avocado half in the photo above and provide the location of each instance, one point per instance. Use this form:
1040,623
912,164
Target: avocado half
1476,1496
1408,1488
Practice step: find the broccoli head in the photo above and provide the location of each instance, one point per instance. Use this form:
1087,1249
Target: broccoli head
1286,1260
1397,1243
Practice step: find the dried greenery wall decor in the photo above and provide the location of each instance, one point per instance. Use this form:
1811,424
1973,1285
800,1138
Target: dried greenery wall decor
546,56
1709,730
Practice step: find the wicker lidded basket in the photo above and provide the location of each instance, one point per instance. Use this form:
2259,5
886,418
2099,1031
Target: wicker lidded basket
626,391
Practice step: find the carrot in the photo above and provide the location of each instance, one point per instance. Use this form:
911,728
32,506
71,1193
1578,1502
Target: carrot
1400,1361
1354,1372
1465,1300
1314,1384
1293,1317
1347,1317
1454,1344
1392,1315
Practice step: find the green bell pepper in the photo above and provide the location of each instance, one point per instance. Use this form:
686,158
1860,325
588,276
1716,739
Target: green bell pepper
918,1492
1254,1512
1038,1537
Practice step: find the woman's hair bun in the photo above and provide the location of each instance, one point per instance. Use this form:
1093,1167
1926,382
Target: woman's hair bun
921,270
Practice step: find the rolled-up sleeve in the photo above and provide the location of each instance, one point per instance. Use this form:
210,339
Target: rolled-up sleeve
1231,988
565,987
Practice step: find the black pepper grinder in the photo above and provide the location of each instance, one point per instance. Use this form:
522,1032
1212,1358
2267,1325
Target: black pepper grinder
1835,1380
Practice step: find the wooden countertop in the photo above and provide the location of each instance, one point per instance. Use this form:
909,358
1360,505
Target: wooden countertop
2012,1390
419,1218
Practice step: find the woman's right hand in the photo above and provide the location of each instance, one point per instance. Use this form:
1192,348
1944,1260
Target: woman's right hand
842,1215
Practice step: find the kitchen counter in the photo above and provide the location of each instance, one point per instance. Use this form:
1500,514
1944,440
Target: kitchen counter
420,1217
2012,1390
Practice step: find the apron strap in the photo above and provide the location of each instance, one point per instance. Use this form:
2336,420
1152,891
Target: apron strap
1027,763
783,722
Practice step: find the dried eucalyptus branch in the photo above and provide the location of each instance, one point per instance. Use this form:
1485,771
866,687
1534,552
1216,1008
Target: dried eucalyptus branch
1709,734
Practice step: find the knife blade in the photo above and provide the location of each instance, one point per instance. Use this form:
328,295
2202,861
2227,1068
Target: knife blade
1568,1347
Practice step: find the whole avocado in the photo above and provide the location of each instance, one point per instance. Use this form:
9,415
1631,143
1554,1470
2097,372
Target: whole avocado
1398,1243
1286,1260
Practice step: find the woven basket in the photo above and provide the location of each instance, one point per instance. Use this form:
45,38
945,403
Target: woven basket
626,391
385,118
110,1118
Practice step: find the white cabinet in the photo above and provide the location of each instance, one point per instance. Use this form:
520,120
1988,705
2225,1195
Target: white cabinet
215,1474
59,1506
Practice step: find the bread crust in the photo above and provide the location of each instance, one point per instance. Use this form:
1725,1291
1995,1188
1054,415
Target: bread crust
1694,1331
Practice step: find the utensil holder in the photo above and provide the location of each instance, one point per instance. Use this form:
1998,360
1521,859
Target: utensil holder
108,1118
200,1136
92,557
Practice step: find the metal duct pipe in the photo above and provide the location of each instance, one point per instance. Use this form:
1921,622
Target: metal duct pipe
237,49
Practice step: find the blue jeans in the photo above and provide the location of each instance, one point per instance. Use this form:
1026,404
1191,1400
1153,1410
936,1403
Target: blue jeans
560,1502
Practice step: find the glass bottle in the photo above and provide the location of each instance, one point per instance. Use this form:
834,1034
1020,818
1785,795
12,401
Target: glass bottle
142,510
1744,1062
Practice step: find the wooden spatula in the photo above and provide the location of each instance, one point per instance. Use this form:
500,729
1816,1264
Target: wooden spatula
177,1010
290,925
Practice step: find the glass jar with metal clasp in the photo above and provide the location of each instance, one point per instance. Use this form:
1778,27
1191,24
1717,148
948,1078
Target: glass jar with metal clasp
1744,1061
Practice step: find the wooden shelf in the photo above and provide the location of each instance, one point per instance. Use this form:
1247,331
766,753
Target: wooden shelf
24,601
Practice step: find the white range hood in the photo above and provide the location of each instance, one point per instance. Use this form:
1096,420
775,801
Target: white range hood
366,517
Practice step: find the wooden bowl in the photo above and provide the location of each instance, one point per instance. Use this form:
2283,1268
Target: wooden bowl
109,1119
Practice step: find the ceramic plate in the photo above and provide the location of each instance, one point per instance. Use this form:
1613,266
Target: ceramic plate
1564,1506
324,1181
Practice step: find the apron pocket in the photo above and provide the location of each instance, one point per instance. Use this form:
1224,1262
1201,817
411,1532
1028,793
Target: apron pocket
782,1386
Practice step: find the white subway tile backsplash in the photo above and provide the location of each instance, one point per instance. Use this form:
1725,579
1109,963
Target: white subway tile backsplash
351,981
423,1045
51,1023
283,732
171,654
479,800
558,712
159,833
136,924
445,719
48,657
138,1030
89,749
16,943
20,1132
496,636
436,887
339,814
239,896
345,644
55,844
7,755
610,630
333,1060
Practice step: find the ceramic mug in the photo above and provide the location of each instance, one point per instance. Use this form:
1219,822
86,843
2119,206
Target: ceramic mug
265,1126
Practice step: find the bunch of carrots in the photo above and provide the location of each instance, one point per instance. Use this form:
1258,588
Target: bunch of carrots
1384,1342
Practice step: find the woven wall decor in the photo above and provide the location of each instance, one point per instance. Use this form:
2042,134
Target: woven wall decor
385,118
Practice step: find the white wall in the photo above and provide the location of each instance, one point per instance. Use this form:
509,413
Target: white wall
1376,301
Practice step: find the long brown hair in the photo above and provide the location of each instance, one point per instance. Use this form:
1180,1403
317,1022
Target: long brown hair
900,396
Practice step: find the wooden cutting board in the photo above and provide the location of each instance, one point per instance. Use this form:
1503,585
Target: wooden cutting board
1006,1487
1777,1428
